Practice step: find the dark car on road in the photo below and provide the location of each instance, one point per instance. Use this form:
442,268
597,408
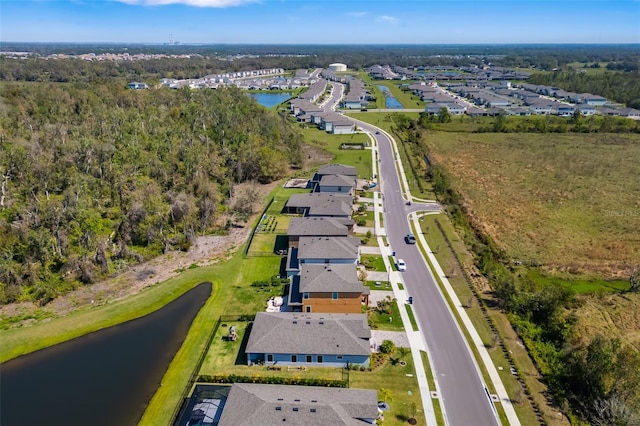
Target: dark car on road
410,239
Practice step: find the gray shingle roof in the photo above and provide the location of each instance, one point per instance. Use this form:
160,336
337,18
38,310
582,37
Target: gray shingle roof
251,404
328,247
298,333
316,199
328,278
337,169
337,180
316,227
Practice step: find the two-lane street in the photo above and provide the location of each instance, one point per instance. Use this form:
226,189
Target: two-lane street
463,394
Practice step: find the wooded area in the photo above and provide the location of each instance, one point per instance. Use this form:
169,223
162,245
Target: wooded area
97,177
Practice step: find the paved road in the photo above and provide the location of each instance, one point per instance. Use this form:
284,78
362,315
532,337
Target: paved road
463,394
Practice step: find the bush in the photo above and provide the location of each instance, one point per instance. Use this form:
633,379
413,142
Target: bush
387,347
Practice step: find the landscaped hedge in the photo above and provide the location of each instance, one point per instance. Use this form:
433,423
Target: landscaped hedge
271,380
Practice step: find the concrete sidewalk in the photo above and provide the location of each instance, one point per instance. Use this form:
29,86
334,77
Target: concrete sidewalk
415,339
475,337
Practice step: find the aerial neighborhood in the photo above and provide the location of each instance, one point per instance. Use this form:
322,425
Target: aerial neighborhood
249,235
319,323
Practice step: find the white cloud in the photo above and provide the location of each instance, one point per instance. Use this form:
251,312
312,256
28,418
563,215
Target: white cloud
196,3
389,19
358,14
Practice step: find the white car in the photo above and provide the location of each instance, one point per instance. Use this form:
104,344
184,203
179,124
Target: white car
401,265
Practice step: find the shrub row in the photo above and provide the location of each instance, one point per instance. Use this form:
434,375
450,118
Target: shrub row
272,380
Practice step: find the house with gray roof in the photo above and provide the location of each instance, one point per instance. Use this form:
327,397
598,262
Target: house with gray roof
252,404
321,250
315,227
301,339
335,169
329,204
337,183
329,250
342,127
328,288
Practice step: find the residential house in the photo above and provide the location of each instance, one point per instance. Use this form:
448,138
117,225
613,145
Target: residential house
335,169
343,127
593,100
135,85
250,404
342,250
565,110
631,113
297,339
321,250
337,183
328,288
586,109
329,204
315,227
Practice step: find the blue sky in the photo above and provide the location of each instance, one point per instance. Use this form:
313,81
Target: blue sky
321,22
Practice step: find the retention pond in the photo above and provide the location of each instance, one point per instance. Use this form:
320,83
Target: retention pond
103,378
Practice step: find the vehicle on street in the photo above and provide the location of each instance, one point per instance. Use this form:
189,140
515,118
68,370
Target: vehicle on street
410,239
377,132
401,265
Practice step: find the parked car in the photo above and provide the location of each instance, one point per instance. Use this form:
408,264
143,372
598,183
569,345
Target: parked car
410,239
377,132
401,265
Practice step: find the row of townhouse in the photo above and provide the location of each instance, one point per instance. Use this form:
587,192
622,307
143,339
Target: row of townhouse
493,98
332,76
379,72
357,95
436,98
325,325
316,89
326,329
329,121
577,98
441,73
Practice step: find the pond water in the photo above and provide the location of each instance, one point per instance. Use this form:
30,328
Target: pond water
269,100
103,378
392,103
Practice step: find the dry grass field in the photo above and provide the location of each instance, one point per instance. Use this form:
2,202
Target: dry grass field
570,202
612,315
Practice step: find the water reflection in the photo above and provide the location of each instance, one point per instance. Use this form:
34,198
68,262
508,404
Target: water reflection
391,102
103,378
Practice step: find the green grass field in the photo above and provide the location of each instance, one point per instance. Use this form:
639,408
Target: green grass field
569,202
360,159
373,262
388,319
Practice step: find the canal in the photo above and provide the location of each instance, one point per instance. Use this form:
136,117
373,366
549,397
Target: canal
103,378
391,102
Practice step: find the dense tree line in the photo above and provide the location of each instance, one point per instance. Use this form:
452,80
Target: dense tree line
597,380
617,86
96,177
211,59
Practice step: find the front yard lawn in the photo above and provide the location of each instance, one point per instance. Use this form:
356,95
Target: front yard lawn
386,316
373,262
